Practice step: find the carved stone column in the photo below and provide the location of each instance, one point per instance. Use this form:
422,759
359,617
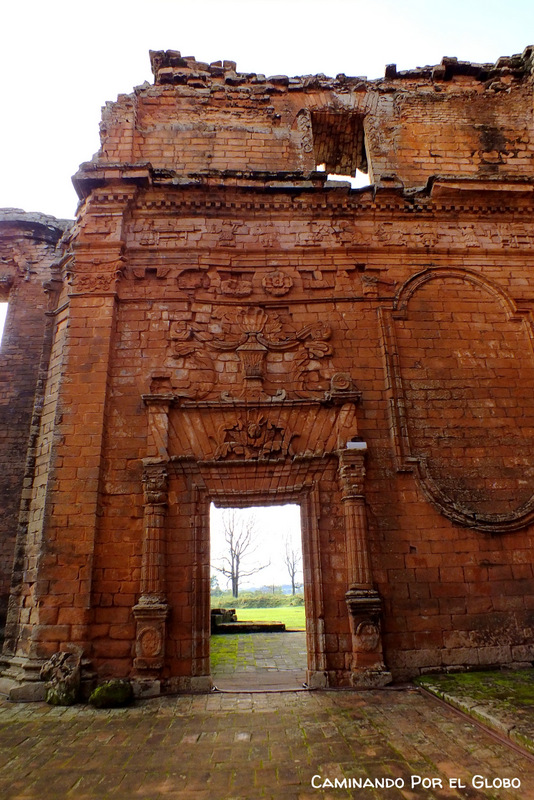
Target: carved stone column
151,610
363,601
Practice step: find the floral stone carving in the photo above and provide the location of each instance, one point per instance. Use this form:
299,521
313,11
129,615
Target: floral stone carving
254,437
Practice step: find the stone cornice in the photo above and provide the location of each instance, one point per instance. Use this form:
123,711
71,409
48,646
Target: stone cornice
283,192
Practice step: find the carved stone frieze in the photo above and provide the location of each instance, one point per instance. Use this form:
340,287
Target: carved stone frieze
256,436
93,283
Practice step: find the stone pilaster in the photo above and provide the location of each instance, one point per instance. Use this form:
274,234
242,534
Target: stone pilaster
151,610
363,601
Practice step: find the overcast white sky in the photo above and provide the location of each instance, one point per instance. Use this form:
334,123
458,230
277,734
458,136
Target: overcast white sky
60,61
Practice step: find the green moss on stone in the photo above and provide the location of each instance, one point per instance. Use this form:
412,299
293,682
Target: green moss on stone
112,694
61,696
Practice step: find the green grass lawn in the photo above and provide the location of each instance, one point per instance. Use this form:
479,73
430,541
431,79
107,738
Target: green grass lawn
293,616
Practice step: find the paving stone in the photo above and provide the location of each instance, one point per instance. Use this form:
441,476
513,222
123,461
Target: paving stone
163,748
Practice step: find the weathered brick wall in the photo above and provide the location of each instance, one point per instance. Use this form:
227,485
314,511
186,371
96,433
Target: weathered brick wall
27,251
456,119
231,321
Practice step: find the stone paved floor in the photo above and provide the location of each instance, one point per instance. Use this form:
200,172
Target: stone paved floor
256,661
248,746
501,699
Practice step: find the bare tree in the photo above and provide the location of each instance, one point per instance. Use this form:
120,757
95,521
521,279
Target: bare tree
239,537
292,559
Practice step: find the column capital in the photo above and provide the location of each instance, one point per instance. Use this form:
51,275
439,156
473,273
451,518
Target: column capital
155,484
352,471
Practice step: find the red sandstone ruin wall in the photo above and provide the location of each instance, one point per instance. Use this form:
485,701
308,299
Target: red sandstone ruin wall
415,288
448,589
27,251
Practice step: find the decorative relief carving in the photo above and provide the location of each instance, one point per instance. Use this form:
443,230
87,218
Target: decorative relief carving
6,280
342,389
318,233
372,283
95,276
235,284
254,437
195,376
150,642
267,236
313,278
352,473
155,485
171,231
314,347
367,636
163,231
305,129
93,283
344,232
252,335
150,636
277,283
191,279
227,232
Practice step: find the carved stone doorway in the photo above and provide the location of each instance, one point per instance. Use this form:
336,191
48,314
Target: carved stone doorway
305,496
223,430
256,553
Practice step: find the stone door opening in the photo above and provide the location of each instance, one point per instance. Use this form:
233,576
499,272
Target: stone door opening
3,315
258,613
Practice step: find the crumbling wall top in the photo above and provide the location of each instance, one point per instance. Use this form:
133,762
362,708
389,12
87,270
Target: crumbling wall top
41,226
170,67
453,120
